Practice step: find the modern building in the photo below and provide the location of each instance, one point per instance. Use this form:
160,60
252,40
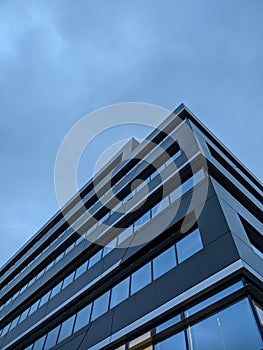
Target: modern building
181,269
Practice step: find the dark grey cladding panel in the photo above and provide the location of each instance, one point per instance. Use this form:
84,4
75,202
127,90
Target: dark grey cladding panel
212,222
99,330
161,220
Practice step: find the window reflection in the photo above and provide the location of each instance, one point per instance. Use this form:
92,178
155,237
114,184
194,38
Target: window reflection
189,245
164,262
51,338
100,306
141,278
175,342
232,328
120,292
82,318
66,328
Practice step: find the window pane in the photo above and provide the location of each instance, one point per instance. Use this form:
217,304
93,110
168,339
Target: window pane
23,315
56,289
168,323
164,262
175,342
33,307
14,323
143,219
232,328
68,280
125,234
39,343
83,317
214,298
100,306
44,299
52,338
260,313
120,292
141,278
81,270
189,245
66,328
95,258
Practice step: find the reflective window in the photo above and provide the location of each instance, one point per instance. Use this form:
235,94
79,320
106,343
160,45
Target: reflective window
66,328
232,328
143,219
33,307
44,299
95,258
56,289
5,330
125,234
39,343
175,342
82,318
120,292
141,278
52,338
168,323
81,270
100,305
14,323
164,262
259,312
68,280
214,298
189,245
23,315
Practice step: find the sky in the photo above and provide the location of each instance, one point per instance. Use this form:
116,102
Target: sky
61,60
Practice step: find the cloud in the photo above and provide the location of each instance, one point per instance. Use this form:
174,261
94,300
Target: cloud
60,60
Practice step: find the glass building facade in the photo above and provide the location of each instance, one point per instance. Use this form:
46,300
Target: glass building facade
195,287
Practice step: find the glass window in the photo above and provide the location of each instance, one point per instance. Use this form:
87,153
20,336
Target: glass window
189,245
100,306
95,258
155,210
175,342
66,328
68,280
30,347
214,298
143,219
39,343
52,338
168,323
125,234
259,312
56,289
83,317
164,262
5,330
33,308
80,270
44,299
14,322
141,278
23,315
120,292
231,328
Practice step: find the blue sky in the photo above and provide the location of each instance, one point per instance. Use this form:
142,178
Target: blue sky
61,59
